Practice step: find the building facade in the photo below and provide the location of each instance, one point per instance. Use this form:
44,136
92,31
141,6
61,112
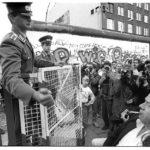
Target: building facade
130,18
77,14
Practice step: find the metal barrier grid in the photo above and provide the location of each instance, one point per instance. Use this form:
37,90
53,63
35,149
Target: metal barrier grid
61,123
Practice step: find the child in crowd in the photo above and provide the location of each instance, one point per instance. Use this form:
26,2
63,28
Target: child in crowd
87,98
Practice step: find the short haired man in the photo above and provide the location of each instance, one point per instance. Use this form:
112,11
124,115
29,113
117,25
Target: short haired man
114,66
18,60
105,84
136,63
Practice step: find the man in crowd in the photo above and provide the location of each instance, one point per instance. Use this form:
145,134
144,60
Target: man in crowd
134,132
106,84
114,66
18,60
94,82
136,63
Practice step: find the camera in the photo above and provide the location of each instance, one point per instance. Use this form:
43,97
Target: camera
107,68
142,80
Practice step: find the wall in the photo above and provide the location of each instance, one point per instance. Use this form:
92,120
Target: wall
87,49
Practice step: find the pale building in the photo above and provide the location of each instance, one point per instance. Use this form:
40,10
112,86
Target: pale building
77,14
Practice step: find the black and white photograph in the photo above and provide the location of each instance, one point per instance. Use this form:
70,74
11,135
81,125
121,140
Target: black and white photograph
74,73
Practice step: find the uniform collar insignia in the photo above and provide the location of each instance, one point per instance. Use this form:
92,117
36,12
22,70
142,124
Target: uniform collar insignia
44,54
22,38
13,36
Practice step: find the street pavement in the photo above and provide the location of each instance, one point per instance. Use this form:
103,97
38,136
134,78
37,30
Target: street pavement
92,131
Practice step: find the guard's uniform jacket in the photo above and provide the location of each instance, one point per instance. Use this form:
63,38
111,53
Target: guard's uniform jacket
18,60
48,57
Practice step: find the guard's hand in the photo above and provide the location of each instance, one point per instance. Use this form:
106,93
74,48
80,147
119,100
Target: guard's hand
43,96
61,63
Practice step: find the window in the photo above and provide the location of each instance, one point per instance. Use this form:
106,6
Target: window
146,19
146,6
130,28
111,7
92,11
120,11
138,16
146,31
97,9
138,30
139,5
130,14
120,26
110,24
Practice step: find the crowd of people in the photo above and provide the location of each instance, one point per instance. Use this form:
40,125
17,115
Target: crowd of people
117,89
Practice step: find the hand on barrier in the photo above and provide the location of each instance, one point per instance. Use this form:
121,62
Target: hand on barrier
87,104
61,64
43,96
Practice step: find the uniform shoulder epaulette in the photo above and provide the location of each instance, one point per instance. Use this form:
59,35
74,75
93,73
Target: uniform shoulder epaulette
13,36
21,38
10,36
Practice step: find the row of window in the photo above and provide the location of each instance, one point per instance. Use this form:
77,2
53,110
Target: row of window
110,8
121,27
140,5
130,15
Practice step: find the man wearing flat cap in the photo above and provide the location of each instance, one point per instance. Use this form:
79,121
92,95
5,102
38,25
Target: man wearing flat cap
18,59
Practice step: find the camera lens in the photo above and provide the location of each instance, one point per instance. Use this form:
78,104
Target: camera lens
107,68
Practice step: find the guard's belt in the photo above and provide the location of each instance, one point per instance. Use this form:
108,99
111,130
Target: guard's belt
29,75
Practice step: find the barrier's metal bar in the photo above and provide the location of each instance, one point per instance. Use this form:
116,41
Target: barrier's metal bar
63,118
43,120
0,140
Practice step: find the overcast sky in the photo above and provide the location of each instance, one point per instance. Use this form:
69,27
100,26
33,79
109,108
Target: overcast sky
38,7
